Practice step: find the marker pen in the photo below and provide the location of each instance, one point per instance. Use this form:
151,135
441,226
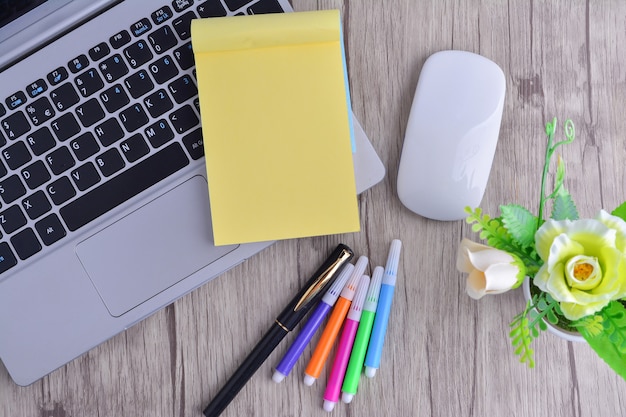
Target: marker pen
357,357
286,321
377,339
346,341
325,344
313,323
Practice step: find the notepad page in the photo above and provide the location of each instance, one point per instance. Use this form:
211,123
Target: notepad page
276,126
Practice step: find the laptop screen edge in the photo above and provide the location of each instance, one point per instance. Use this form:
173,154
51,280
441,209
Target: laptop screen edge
42,24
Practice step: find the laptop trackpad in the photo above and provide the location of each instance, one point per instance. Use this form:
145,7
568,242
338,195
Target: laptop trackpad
152,248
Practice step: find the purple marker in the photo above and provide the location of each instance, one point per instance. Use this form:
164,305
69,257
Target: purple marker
311,326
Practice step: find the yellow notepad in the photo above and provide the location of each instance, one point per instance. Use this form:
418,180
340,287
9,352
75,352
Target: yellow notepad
276,126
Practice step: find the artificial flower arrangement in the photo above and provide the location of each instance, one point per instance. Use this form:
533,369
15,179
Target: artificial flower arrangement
576,267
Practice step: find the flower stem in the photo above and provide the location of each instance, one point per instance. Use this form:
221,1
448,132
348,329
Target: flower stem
550,129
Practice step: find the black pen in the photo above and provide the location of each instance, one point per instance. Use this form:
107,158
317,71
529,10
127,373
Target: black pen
295,311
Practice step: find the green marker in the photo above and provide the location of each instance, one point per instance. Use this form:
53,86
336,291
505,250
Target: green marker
361,341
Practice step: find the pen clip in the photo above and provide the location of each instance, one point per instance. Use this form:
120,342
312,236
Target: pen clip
323,279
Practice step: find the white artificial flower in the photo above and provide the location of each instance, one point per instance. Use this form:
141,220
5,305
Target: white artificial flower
491,271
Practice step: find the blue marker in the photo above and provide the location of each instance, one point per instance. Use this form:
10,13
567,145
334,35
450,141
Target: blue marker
377,339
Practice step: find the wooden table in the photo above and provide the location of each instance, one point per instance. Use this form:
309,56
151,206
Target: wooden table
446,354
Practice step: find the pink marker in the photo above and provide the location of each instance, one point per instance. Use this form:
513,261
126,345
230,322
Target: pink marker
350,326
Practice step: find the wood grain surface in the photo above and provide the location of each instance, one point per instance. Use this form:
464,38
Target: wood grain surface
446,354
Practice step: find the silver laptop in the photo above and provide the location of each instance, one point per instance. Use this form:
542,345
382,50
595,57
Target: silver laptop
104,214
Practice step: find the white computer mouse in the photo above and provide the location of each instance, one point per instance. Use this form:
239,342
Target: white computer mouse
451,135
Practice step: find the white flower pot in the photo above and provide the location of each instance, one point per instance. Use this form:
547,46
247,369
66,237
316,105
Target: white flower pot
564,334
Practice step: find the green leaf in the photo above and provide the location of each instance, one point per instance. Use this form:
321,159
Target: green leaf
522,334
542,304
560,174
564,207
497,236
620,211
609,344
551,127
520,223
552,318
593,325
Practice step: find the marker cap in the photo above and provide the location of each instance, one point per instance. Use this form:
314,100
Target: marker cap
350,288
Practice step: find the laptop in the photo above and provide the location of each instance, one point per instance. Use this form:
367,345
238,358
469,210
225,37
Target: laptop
104,214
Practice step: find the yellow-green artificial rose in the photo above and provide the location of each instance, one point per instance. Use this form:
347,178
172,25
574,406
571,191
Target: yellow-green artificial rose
491,271
584,263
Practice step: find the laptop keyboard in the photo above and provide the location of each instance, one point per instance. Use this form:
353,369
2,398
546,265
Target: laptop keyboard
115,120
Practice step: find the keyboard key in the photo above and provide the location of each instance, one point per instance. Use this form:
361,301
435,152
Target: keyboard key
40,141
50,229
114,98
15,125
133,117
134,148
124,186
182,25
180,5
236,4
25,244
35,174
161,15
84,146
159,133
64,97
163,69
138,54
11,188
78,64
57,76
88,82
36,88
109,132
36,205
7,259
65,127
40,111
3,170
265,6
158,103
113,68
85,176
211,9
110,162
119,39
184,119
183,89
60,160
61,190
139,84
3,111
162,39
141,27
90,112
16,155
12,219
15,100
194,145
99,51
196,104
184,56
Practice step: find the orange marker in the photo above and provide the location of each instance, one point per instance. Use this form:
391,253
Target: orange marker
325,344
